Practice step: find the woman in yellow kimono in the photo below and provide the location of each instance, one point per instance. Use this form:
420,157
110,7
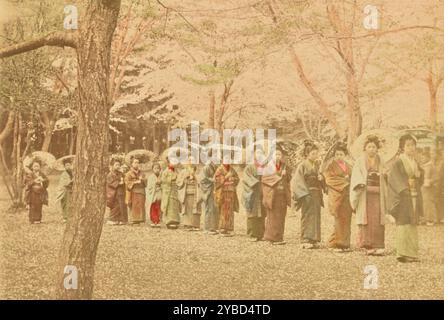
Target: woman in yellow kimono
405,200
337,178
226,181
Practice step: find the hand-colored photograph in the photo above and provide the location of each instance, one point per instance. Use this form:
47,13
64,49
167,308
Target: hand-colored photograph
221,150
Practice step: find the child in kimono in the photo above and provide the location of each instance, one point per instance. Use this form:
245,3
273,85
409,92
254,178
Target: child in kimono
154,195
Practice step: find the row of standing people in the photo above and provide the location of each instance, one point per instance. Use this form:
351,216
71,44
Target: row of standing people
174,196
368,189
374,191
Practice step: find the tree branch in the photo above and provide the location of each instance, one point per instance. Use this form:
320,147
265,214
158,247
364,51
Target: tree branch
57,39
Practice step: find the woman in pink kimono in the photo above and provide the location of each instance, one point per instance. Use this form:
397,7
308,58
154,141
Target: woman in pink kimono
337,178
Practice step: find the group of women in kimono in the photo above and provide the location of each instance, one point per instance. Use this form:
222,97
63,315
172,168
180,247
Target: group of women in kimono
371,190
179,197
167,195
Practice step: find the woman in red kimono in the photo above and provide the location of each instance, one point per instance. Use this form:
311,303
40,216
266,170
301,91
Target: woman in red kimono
135,182
226,181
337,178
36,194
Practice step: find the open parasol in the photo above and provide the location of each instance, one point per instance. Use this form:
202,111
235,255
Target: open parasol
58,165
46,159
388,140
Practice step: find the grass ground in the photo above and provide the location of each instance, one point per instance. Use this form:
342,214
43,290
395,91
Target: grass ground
137,262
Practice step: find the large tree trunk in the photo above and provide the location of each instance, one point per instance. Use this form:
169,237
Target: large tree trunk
4,169
84,228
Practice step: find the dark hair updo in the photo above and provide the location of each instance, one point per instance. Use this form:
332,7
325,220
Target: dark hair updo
309,146
341,146
35,160
404,139
67,160
115,160
133,158
372,139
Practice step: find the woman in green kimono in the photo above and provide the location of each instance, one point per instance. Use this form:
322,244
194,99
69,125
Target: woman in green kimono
226,181
405,200
189,197
169,204
307,188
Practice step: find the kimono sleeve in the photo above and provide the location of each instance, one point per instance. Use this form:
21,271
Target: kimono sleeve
111,181
396,185
249,182
45,181
299,187
130,180
234,177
